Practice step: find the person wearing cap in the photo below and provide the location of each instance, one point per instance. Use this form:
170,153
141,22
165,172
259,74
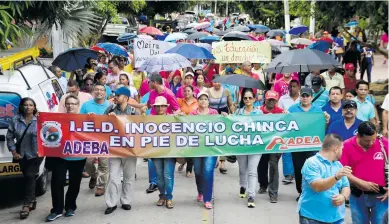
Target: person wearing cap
165,166
308,79
347,125
299,158
334,106
320,94
248,163
158,89
175,82
366,153
350,80
268,164
117,165
333,78
188,81
366,111
204,166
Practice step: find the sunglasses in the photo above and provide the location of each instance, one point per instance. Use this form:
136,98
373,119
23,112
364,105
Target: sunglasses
247,98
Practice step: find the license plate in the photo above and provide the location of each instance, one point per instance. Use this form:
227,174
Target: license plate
7,169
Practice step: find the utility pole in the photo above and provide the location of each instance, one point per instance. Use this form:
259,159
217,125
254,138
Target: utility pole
215,7
312,19
227,8
287,19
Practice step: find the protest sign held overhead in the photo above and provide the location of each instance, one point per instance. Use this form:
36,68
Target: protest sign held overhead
240,51
144,49
65,135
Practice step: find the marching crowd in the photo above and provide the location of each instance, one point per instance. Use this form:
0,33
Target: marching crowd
350,167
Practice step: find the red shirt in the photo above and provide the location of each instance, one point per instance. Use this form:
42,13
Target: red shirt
349,83
366,165
276,110
165,74
213,70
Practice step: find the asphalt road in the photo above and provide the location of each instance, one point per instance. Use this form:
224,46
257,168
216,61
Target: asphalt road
228,207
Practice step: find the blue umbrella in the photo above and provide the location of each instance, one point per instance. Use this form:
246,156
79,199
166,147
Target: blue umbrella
176,36
191,51
126,37
351,23
114,49
209,39
74,59
297,30
320,46
161,37
258,27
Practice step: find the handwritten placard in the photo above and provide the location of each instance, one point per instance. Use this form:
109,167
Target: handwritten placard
144,49
240,51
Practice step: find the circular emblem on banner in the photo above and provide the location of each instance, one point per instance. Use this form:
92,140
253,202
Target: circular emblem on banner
51,134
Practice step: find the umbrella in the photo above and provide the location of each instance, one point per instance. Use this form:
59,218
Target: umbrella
209,39
320,45
204,45
189,31
146,37
150,30
98,49
164,62
197,35
191,51
191,25
126,37
241,28
302,41
236,35
74,59
202,25
253,38
302,60
213,30
259,28
297,30
351,23
114,49
176,36
274,33
240,80
273,42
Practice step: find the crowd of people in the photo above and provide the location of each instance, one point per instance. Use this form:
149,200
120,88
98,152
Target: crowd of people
324,180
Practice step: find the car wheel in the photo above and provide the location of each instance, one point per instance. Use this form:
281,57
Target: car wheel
41,183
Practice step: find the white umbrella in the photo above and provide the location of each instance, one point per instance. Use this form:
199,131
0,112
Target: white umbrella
302,41
176,36
202,25
146,37
164,62
191,25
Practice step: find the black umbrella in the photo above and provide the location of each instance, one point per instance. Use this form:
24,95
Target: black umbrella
198,35
240,80
74,59
302,60
274,33
190,31
236,35
241,28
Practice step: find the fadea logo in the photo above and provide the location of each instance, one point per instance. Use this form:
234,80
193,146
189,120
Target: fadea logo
378,156
51,134
292,143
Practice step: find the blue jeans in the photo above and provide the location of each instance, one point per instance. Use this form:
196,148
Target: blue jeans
165,180
366,67
360,207
204,171
152,172
304,220
287,164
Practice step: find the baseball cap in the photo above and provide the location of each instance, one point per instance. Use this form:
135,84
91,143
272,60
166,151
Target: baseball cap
199,67
123,91
316,81
201,94
306,90
189,73
160,101
271,95
350,103
349,66
325,32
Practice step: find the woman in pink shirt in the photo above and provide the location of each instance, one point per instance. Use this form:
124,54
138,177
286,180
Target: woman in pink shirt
188,81
204,166
384,44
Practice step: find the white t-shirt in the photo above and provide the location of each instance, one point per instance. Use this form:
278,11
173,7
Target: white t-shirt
286,101
385,104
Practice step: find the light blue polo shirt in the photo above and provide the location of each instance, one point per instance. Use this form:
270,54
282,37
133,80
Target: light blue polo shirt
318,205
297,108
323,98
365,110
92,107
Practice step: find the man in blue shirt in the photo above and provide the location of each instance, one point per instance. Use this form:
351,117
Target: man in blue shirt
334,106
366,110
99,177
299,158
347,126
320,94
325,185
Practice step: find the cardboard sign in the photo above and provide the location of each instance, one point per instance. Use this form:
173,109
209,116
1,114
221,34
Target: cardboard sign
227,52
144,49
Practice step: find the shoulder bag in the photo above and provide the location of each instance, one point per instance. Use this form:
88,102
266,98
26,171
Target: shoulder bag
19,143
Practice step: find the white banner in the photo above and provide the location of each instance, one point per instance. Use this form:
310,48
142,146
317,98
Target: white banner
144,49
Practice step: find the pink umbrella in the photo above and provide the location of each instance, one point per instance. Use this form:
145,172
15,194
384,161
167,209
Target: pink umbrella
202,25
150,30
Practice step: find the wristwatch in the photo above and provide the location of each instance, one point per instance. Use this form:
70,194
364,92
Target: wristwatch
336,178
